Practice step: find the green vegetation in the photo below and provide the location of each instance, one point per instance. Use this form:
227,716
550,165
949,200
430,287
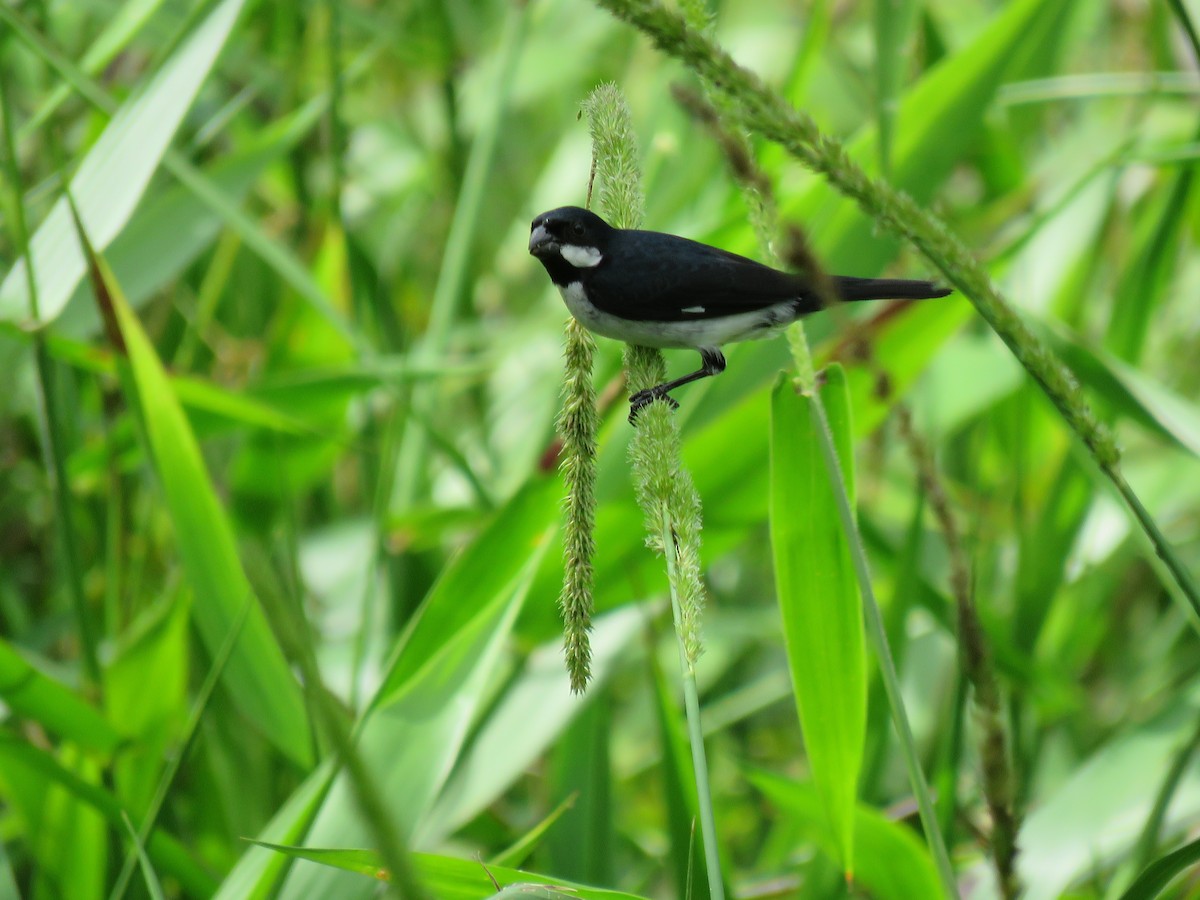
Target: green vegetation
282,531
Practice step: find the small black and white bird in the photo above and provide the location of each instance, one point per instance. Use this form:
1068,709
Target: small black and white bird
660,290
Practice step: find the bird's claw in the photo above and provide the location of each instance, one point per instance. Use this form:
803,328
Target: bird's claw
642,399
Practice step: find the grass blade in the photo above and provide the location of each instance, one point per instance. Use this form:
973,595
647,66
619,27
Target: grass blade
153,886
582,846
258,676
130,19
819,599
1156,876
452,879
527,720
114,175
31,693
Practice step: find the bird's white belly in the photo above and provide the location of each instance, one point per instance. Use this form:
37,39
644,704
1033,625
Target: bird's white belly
745,326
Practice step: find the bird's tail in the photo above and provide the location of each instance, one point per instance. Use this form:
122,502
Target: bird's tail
851,288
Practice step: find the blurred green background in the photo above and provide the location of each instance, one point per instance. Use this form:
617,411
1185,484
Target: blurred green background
319,213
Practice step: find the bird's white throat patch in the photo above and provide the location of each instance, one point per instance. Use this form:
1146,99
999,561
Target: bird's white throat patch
581,257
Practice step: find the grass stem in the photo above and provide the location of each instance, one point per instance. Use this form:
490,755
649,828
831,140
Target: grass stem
691,700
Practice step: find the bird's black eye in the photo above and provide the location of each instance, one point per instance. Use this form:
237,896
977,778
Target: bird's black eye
577,229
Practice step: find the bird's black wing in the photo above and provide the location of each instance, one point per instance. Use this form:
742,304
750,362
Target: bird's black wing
650,276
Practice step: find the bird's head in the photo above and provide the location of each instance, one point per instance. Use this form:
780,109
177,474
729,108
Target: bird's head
570,235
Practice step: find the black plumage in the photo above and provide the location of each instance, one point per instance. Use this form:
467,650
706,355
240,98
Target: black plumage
660,290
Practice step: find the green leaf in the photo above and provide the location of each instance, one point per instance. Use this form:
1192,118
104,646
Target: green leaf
257,676
112,178
523,527
64,821
583,845
1045,546
724,453
364,862
529,717
131,17
1131,392
1156,876
819,598
902,349
519,850
893,864
30,693
146,695
1143,285
257,873
452,879
8,878
429,691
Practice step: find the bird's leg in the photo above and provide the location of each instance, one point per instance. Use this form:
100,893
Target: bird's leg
712,362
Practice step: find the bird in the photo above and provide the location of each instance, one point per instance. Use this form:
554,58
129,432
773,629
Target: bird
662,290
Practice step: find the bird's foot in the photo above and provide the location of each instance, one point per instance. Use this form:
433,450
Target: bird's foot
642,399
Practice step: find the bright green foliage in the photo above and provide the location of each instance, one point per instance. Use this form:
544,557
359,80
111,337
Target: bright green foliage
111,178
325,420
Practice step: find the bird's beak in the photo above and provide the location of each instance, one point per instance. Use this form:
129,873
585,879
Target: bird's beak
541,243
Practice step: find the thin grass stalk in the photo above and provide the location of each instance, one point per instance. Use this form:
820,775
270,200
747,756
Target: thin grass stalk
762,111
671,509
887,51
48,415
150,877
691,703
336,151
759,197
333,117
977,665
114,516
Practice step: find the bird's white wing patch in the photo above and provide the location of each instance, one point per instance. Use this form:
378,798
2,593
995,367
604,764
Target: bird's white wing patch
693,309
581,257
